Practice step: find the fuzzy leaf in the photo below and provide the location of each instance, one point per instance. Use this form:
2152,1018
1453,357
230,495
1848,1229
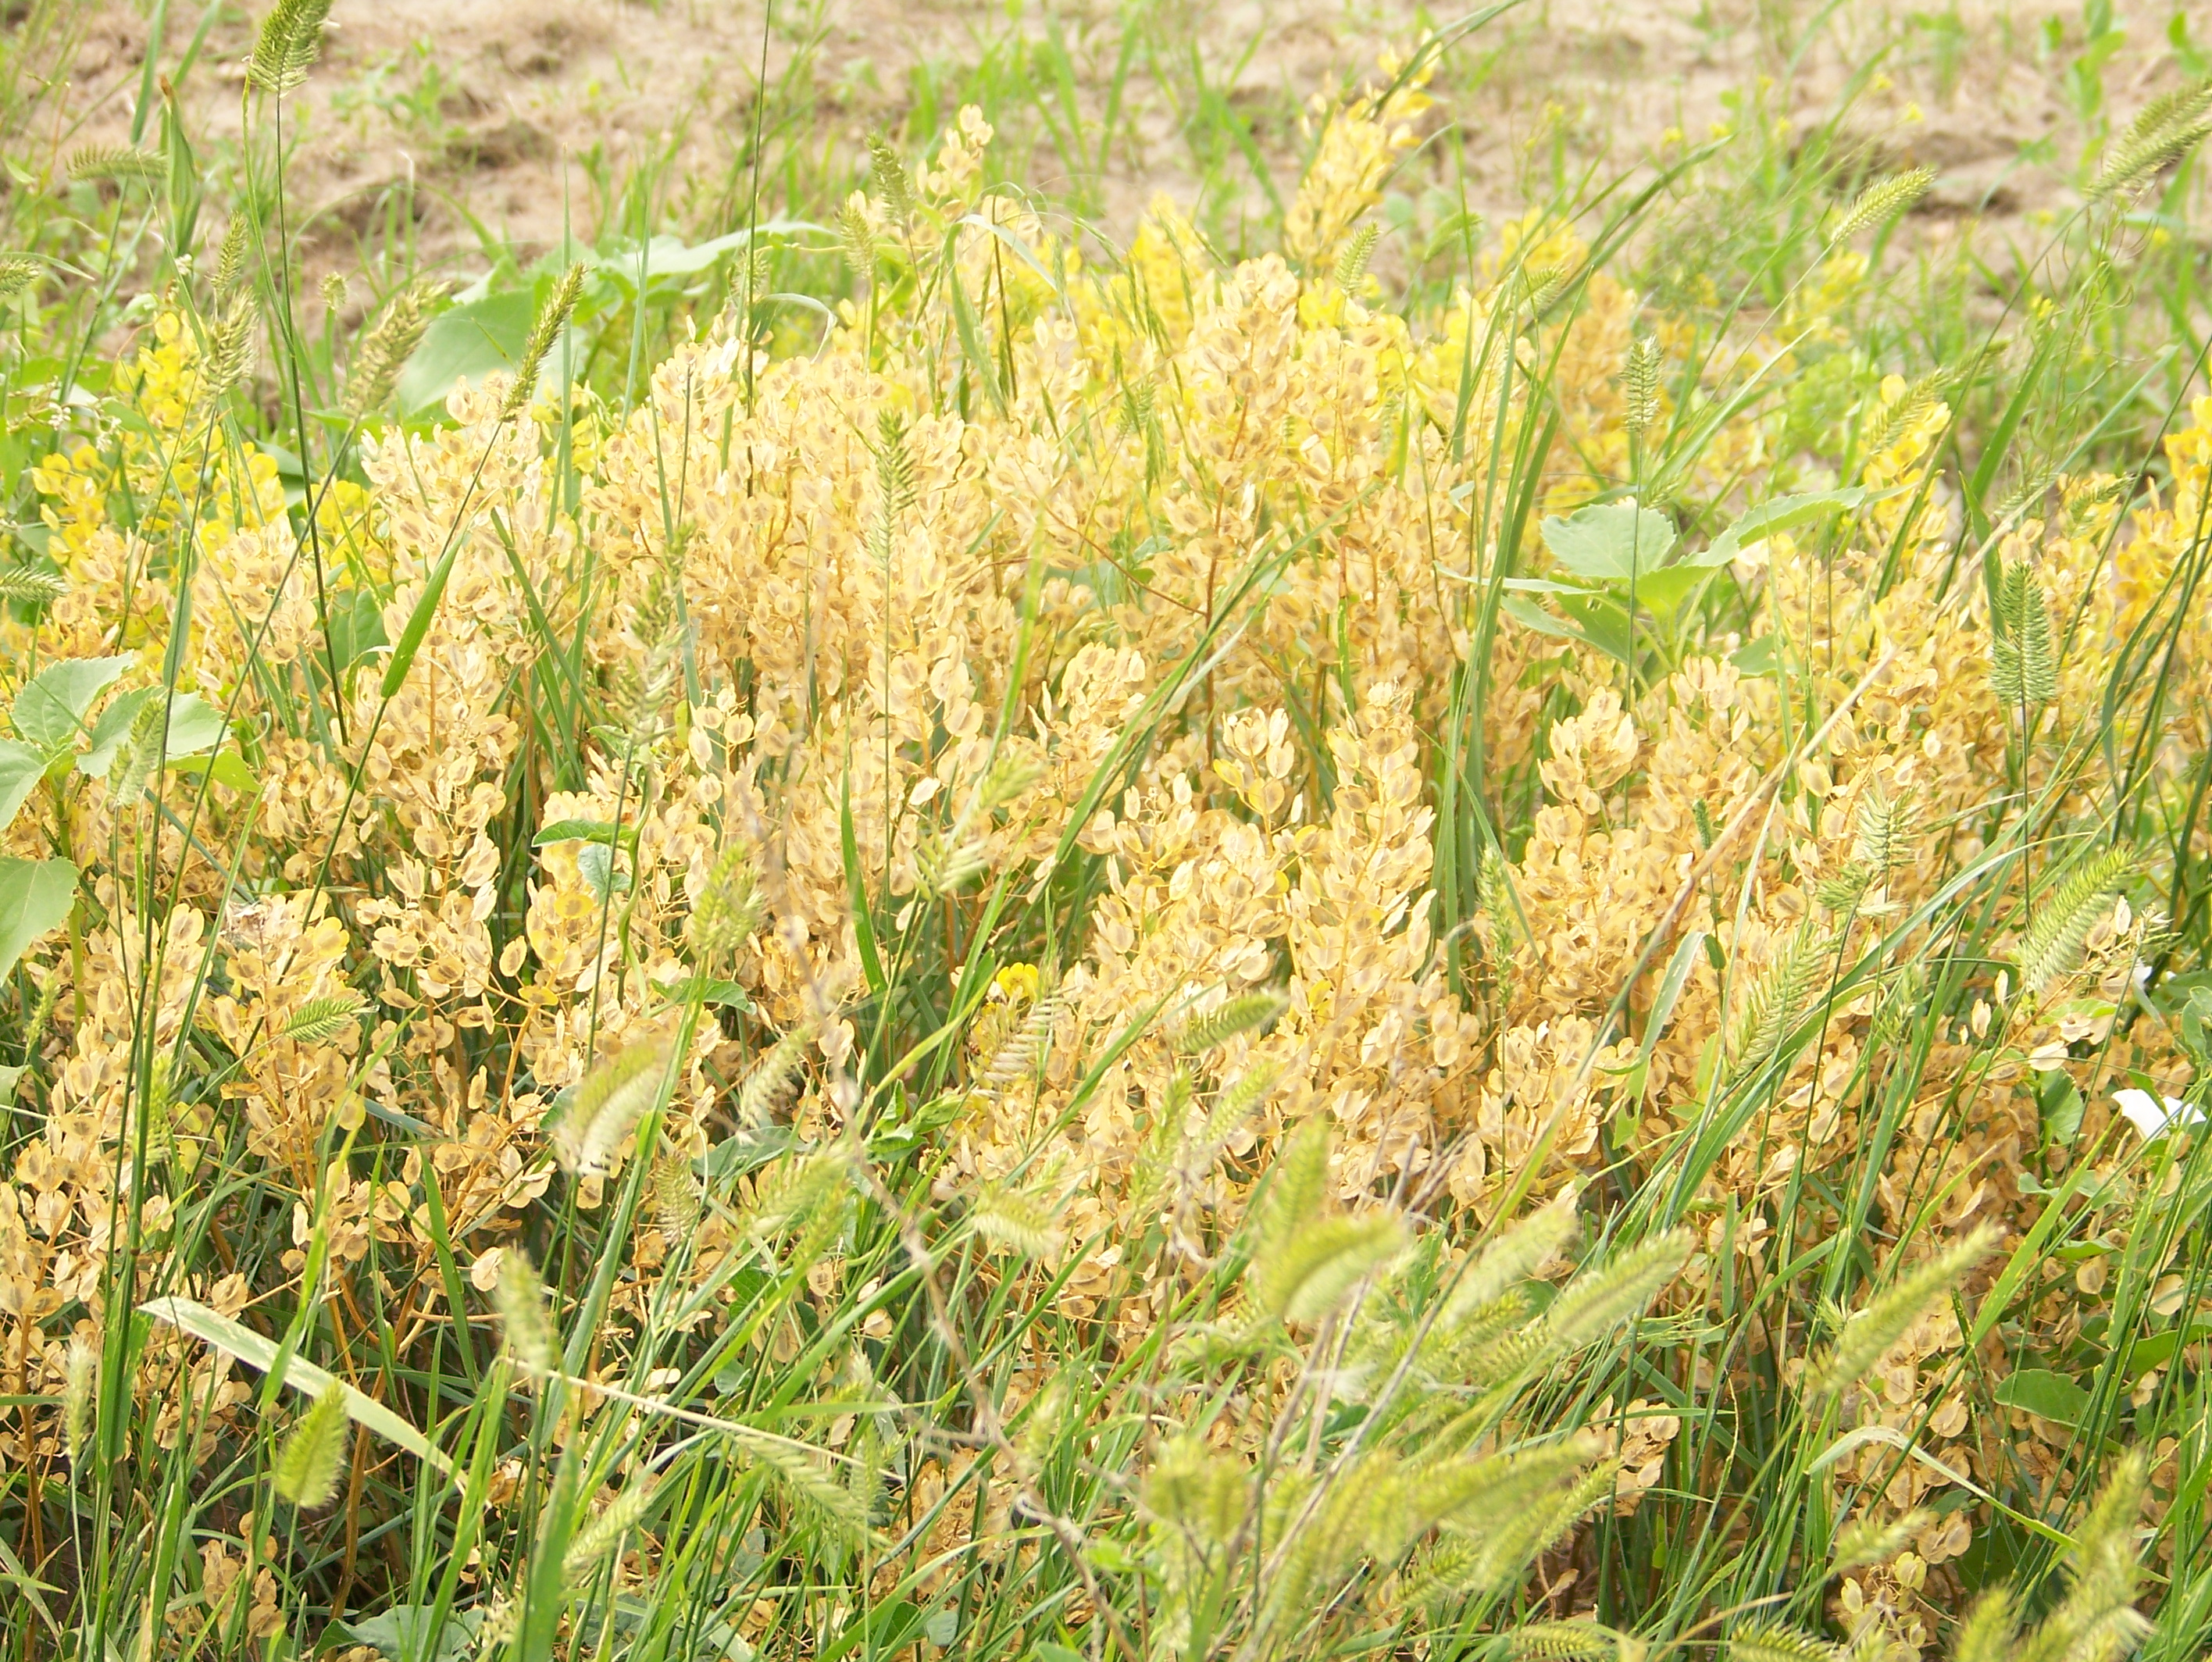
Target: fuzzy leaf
20,769
35,897
49,712
1612,542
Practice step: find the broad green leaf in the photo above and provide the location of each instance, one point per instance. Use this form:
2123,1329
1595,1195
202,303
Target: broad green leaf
356,627
20,768
237,1340
2157,1349
228,769
49,712
595,863
35,897
584,831
2046,1395
195,727
109,732
724,995
476,338
1531,615
466,343
1662,592
1755,657
1783,514
402,1634
669,256
1592,618
1611,541
2058,1101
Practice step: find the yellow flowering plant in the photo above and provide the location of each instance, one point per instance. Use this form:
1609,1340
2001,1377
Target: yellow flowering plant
1141,958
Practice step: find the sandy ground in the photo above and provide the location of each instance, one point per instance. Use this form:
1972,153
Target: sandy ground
503,119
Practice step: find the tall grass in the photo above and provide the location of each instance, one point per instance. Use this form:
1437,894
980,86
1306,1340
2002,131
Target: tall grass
885,922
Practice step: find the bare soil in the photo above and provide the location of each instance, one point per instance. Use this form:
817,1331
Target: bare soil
507,118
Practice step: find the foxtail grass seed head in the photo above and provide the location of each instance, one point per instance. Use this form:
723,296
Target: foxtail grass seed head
730,909
1599,1299
544,329
28,583
1020,1223
307,1469
2164,130
1565,1642
856,233
1867,1540
386,348
894,464
948,863
1024,1049
1235,1103
811,1485
591,1544
1883,202
1540,286
646,719
2023,658
1247,1013
1772,1641
1639,384
231,351
519,1298
230,272
2065,913
17,273
1011,775
1139,409
1352,264
80,1400
1867,1337
143,753
1907,411
118,164
676,1199
1882,829
290,37
320,1020
1516,1254
607,1106
1842,890
1779,1000
2028,499
796,1197
765,1084
893,188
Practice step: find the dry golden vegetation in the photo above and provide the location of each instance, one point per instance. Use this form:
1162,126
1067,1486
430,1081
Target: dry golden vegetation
899,933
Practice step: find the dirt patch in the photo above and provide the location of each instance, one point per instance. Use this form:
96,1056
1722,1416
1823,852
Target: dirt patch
497,118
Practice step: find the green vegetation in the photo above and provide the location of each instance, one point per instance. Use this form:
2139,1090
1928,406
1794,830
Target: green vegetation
866,917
